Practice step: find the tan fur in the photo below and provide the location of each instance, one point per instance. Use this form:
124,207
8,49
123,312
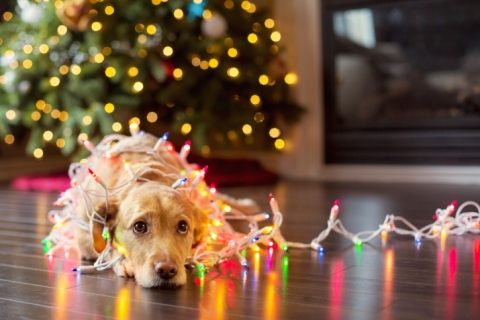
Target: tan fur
155,203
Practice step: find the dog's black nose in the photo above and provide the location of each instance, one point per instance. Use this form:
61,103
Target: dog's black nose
166,270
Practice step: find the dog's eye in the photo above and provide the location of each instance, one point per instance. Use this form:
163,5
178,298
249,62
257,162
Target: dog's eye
182,227
140,227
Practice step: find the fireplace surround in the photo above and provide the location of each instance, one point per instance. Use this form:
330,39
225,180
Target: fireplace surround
401,82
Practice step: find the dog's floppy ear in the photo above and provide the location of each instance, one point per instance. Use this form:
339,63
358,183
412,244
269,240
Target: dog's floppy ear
108,212
200,219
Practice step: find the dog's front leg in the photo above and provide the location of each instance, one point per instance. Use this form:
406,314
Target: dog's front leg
124,268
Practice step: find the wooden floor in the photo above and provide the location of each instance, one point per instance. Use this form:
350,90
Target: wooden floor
395,279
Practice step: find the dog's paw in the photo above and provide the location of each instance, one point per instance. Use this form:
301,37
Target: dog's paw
124,269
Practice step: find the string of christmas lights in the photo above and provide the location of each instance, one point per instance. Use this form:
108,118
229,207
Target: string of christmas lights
221,233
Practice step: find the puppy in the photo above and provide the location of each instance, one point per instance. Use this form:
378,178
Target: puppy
152,224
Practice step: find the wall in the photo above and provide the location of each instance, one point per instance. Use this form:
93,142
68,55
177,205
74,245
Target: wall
299,23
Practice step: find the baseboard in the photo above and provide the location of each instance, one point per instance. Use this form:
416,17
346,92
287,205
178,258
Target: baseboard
407,174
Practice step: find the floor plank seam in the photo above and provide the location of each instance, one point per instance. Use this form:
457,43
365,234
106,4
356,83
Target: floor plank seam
342,270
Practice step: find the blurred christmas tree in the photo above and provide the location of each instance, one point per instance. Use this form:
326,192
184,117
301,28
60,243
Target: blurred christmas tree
209,68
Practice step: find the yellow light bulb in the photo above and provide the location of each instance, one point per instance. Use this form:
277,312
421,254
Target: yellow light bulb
279,144
152,117
7,16
232,52
121,250
204,65
47,108
63,116
36,115
132,72
178,14
48,135
186,128
151,29
167,51
75,69
55,114
207,14
43,48
82,136
110,72
109,10
109,108
137,87
117,127
247,129
213,63
62,30
276,36
11,114
178,74
291,78
142,38
40,104
269,23
64,69
27,64
9,139
60,143
255,100
196,61
99,58
135,120
54,81
87,120
229,4
96,26
246,5
38,153
252,38
263,80
58,4
233,72
27,49
274,133
9,54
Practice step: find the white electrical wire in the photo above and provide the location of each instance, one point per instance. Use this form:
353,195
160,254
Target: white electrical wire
220,231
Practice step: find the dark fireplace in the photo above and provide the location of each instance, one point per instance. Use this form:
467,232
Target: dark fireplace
402,82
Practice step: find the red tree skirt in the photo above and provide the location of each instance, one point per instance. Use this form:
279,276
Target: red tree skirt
221,172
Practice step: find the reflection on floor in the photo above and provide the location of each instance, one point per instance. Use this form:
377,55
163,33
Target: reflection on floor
390,278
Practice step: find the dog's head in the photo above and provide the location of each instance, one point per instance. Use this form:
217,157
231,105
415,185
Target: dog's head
157,226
